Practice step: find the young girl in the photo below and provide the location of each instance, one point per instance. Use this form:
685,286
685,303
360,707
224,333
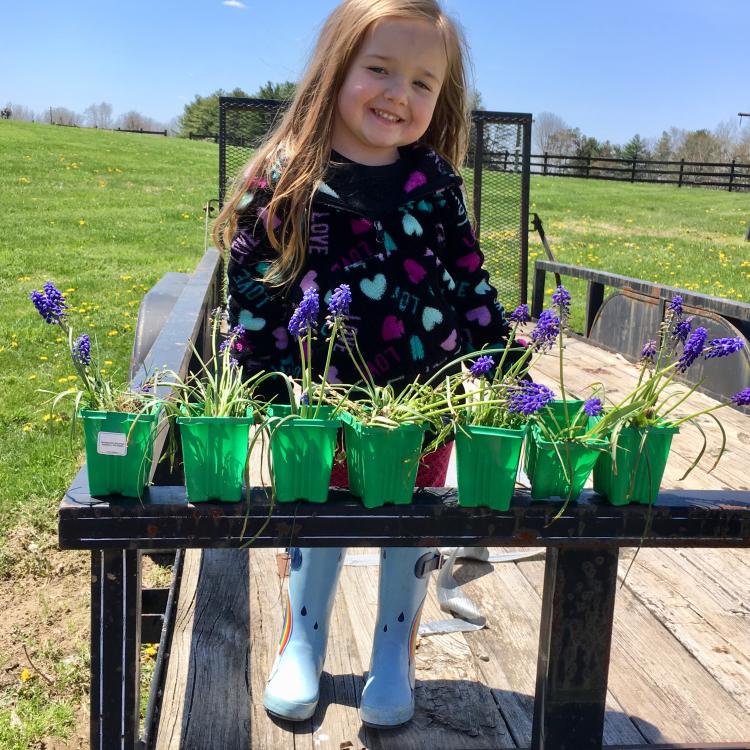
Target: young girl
359,185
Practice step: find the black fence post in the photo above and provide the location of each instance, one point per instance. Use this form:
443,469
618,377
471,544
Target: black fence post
588,166
682,171
544,169
575,637
478,163
632,172
731,174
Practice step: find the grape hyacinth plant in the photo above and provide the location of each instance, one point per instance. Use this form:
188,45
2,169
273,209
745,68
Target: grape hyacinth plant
93,391
657,397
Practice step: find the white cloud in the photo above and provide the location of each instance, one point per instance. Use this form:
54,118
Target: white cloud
234,4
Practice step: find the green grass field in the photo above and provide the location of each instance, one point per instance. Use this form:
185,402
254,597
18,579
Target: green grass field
104,215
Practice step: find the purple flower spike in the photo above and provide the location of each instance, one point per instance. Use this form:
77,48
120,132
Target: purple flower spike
82,350
682,330
340,300
742,398
676,305
306,314
561,297
649,350
593,407
482,366
723,347
50,303
529,398
693,348
520,314
546,330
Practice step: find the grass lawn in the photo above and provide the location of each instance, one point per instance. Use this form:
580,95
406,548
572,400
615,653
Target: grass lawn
690,238
104,215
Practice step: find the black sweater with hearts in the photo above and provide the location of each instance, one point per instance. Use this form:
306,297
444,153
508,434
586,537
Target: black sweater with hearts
401,238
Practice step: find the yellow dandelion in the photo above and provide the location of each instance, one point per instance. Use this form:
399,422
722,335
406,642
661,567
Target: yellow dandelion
14,345
26,428
25,675
63,379
185,216
103,371
32,376
72,377
81,222
113,332
47,417
107,361
24,278
43,357
151,650
125,277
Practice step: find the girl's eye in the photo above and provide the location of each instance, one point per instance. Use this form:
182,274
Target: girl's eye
423,85
376,69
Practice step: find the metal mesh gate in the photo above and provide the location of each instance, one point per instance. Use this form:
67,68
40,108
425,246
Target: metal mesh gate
496,174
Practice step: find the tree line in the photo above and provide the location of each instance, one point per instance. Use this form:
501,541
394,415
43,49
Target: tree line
725,142
98,115
551,133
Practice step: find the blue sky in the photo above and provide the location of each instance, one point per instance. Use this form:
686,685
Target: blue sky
612,69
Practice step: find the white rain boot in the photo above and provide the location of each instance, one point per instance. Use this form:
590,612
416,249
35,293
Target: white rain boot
388,697
293,688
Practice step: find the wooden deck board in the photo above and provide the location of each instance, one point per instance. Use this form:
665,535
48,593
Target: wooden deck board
680,669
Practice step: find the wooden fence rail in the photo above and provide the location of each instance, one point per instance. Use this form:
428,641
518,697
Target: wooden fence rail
731,176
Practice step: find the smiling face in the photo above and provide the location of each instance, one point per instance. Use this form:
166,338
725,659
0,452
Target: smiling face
390,90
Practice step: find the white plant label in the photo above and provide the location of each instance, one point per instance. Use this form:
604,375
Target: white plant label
112,444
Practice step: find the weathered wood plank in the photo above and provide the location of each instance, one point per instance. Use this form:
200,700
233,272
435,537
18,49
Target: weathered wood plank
454,710
509,645
668,695
266,616
693,605
208,674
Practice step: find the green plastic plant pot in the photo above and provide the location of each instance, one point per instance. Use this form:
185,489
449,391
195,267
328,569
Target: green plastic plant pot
553,418
636,473
382,463
486,464
548,478
302,452
214,451
118,464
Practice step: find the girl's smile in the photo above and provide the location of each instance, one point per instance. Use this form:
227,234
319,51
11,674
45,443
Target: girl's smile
389,93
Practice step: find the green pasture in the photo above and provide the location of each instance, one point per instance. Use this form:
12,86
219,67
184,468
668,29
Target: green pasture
105,214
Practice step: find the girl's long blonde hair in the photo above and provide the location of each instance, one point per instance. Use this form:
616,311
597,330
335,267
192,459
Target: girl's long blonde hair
303,137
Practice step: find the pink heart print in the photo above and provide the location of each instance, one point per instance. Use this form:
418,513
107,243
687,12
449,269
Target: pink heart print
308,281
415,271
263,214
450,343
470,262
416,179
393,328
480,315
282,337
361,226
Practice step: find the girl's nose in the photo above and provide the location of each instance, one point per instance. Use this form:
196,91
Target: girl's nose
396,91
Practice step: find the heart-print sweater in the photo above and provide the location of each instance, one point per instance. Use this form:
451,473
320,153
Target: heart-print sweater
420,295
